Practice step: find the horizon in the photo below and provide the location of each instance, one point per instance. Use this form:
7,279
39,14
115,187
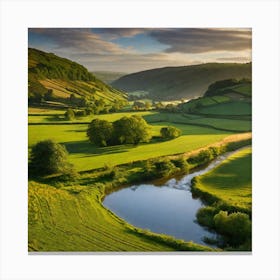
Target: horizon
130,50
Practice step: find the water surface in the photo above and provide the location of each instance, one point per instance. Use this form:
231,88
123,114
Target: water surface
168,209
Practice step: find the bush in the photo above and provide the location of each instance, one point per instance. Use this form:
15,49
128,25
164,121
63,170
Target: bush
205,216
236,227
170,132
159,168
48,157
202,157
69,114
182,164
81,113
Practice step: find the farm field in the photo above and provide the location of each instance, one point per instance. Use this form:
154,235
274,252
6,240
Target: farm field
231,181
58,116
85,155
236,108
86,225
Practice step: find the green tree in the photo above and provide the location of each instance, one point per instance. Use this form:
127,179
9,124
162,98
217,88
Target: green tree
100,132
48,157
148,105
236,226
170,132
69,114
131,130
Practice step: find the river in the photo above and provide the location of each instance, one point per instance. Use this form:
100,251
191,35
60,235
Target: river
168,208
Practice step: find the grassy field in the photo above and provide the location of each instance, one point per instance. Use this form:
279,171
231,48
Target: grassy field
236,108
238,125
230,182
73,218
69,216
58,116
85,155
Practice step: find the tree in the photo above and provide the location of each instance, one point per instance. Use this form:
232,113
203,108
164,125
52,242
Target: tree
170,132
131,130
236,226
100,132
69,114
148,105
48,157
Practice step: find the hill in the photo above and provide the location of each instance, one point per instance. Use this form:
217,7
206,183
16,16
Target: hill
108,76
226,98
58,82
187,82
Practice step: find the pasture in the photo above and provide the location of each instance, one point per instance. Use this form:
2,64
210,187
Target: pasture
86,156
231,181
72,218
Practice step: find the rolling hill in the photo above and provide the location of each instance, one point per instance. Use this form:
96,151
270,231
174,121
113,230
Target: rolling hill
227,98
59,82
187,82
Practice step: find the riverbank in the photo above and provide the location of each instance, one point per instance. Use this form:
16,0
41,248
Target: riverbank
227,190
68,215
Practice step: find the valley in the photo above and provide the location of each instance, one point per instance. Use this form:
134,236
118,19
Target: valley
66,212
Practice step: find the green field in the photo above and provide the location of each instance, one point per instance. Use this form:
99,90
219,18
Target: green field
69,216
58,117
235,108
85,155
72,218
231,181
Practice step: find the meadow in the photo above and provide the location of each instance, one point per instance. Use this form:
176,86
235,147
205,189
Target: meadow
70,216
86,156
231,181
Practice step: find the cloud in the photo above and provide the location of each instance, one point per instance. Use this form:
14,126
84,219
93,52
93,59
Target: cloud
78,40
113,33
201,40
96,49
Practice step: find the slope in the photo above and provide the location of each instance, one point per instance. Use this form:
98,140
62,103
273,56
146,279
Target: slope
56,81
186,82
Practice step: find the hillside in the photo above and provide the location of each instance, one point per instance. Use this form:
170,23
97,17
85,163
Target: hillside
108,76
186,82
58,82
223,99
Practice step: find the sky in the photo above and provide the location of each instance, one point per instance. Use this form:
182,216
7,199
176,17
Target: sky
131,50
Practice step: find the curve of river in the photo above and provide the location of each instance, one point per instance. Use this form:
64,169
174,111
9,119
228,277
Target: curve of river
168,208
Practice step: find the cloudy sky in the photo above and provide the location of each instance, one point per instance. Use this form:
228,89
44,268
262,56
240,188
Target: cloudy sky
135,49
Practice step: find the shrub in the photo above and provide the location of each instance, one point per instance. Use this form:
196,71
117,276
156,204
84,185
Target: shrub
48,157
182,164
69,114
205,216
81,113
170,132
159,168
202,157
236,226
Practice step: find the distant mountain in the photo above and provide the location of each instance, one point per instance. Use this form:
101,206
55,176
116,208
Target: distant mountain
108,76
58,81
171,83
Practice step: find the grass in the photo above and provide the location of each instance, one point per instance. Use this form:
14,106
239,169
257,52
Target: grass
86,156
232,108
59,117
231,181
72,218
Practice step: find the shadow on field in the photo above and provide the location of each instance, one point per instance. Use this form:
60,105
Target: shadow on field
84,147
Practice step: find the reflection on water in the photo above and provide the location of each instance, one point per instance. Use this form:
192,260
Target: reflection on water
169,208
